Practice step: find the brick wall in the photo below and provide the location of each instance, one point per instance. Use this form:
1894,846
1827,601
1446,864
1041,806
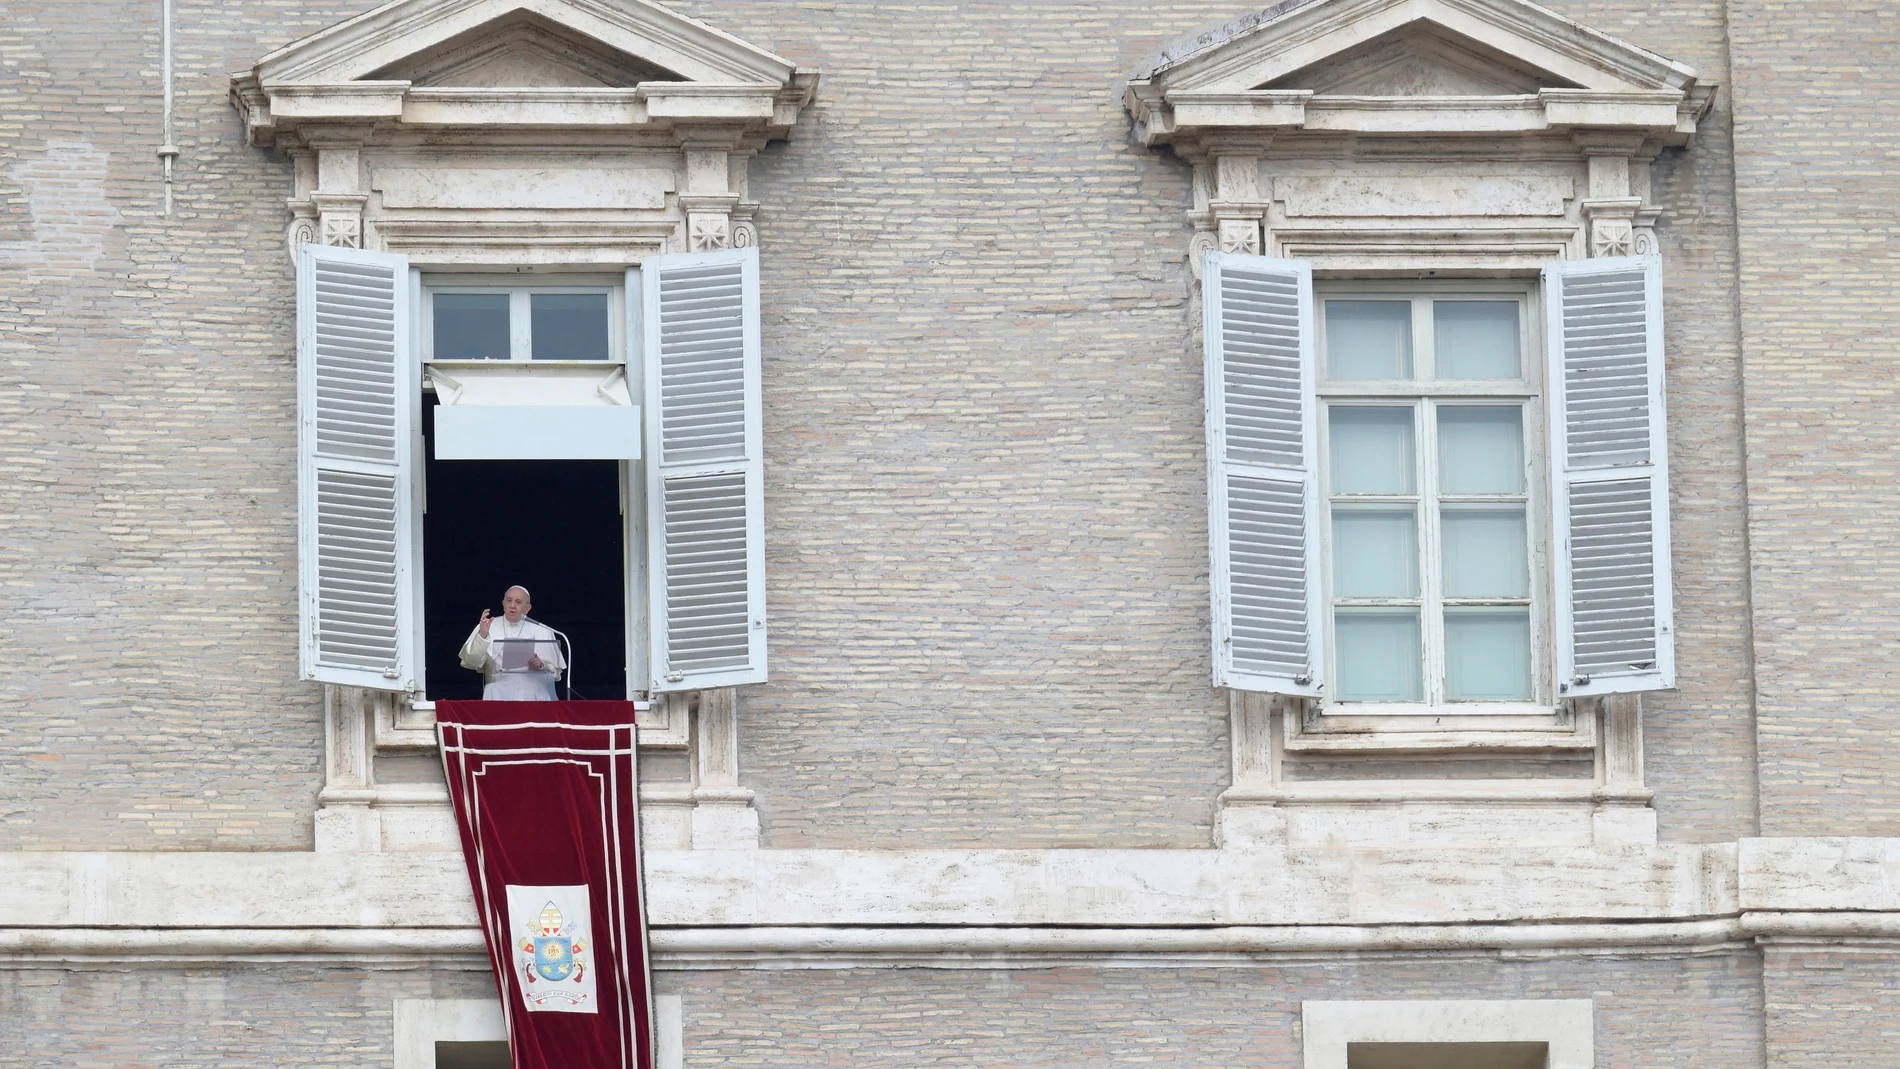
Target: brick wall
147,443
986,491
1700,1011
985,497
1817,177
279,1015
1830,1010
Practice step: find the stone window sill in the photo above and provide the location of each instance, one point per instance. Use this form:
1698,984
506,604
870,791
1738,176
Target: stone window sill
1308,730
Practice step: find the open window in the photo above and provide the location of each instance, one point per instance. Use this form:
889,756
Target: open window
596,440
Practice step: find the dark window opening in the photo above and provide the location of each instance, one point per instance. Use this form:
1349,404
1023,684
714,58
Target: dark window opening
1447,1055
488,1054
553,526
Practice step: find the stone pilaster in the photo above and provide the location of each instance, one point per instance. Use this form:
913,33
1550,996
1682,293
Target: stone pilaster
1613,201
723,817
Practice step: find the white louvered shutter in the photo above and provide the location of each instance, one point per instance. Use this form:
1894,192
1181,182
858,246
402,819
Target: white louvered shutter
705,470
1263,493
1610,476
356,400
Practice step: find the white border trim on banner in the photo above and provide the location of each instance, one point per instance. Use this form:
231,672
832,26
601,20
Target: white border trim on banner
494,923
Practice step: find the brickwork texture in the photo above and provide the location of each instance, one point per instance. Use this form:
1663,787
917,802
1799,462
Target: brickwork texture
1817,175
1830,1009
985,504
1693,1012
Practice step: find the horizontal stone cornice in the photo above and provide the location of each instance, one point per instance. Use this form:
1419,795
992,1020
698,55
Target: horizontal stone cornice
979,909
842,947
1239,885
1668,116
767,111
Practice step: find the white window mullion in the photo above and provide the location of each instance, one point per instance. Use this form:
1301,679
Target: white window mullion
1322,452
1537,530
1431,581
1424,338
520,326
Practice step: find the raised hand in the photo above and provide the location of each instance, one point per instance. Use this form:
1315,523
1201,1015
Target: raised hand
483,625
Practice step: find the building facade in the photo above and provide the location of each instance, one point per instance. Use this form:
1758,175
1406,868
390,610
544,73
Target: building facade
1357,534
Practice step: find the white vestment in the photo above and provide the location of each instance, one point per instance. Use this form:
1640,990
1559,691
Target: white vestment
478,653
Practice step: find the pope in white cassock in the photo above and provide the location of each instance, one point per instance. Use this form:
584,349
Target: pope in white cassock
533,683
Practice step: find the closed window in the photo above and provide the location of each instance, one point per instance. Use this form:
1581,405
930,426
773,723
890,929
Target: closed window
1429,413
1438,498
487,322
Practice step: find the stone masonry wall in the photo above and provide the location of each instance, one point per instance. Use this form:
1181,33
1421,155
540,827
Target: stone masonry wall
1830,1009
1654,1013
1817,178
985,503
986,489
233,1015
147,443
1651,1012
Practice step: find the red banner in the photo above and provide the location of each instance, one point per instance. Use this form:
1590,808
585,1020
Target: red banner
546,798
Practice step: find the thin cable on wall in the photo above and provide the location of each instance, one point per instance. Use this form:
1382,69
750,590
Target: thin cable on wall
167,152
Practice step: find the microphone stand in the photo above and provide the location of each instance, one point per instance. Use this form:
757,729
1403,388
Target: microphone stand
570,654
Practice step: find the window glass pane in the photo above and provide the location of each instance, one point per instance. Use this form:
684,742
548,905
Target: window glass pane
470,326
1475,339
1369,339
1487,654
1377,654
1485,553
1371,450
1375,553
1480,450
569,326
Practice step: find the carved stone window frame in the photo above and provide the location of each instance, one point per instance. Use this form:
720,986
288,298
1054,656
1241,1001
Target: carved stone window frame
1564,1027
600,135
651,165
1257,152
1528,138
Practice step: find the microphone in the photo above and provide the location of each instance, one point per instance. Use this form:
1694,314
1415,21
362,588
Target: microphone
570,653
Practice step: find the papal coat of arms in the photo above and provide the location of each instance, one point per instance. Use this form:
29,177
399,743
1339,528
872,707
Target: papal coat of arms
552,945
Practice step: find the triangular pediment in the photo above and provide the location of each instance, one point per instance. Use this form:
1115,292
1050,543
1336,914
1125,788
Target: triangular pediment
514,44
1411,48
519,51
1420,60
